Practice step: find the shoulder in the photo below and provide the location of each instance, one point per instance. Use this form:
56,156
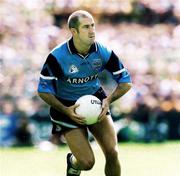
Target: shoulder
60,50
102,48
104,51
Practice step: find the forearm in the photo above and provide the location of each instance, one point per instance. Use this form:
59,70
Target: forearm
119,91
54,102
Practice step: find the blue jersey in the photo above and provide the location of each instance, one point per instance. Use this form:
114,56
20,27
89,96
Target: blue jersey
69,75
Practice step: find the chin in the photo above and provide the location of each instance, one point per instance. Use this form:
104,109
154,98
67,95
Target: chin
91,41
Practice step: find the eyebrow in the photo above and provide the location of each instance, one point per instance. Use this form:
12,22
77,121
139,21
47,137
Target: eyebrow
92,24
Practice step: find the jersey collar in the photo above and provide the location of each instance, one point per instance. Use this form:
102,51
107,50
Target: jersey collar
73,50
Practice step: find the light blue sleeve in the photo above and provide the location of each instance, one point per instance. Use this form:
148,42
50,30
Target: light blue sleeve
46,86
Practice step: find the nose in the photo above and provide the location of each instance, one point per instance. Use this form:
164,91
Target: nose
91,29
91,32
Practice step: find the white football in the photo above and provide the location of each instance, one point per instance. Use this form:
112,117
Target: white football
90,108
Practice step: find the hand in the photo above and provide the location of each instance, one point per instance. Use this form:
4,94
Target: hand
105,108
75,117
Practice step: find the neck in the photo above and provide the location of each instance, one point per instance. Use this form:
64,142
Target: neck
80,47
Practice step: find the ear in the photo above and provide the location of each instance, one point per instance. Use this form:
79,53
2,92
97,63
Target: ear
73,31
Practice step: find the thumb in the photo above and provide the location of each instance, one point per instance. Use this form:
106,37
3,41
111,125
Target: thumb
75,106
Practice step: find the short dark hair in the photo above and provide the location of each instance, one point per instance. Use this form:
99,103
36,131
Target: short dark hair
73,20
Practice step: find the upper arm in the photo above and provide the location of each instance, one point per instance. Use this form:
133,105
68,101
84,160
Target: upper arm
51,68
117,69
50,73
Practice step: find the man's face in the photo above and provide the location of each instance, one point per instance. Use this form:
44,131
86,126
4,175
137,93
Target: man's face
86,32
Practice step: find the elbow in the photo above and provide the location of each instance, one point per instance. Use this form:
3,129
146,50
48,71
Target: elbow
127,86
41,95
44,95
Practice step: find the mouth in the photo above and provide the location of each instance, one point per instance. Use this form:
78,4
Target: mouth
91,37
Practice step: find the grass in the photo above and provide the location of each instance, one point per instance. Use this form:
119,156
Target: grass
136,160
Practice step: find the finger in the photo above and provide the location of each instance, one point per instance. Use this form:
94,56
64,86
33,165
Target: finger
78,116
103,112
80,119
101,118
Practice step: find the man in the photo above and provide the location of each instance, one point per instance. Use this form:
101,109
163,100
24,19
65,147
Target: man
70,71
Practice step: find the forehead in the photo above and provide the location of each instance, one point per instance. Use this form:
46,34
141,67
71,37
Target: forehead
85,21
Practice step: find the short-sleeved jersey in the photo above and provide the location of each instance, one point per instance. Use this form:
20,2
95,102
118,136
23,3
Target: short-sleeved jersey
69,75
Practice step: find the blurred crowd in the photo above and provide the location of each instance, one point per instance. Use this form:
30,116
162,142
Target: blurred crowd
145,34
